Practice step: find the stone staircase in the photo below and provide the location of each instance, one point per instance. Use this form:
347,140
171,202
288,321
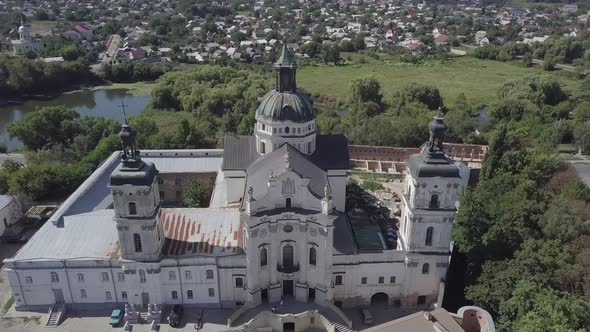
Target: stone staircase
342,328
56,313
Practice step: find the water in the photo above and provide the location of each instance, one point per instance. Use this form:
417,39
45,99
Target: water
100,103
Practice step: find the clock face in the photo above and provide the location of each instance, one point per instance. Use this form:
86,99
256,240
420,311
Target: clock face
288,228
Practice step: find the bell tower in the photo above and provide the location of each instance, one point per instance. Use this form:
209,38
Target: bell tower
136,201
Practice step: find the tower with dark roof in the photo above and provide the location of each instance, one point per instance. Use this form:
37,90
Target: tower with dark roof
285,114
136,201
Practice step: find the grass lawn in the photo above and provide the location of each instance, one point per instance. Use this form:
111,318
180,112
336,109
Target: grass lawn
42,28
478,79
137,89
167,120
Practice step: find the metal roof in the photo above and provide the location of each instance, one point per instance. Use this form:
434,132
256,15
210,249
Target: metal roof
432,164
207,231
90,235
239,152
285,106
5,200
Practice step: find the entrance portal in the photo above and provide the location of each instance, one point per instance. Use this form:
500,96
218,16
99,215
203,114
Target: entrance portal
287,287
311,295
264,296
288,327
379,299
58,295
145,299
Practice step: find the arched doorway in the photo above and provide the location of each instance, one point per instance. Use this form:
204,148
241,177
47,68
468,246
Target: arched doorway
379,299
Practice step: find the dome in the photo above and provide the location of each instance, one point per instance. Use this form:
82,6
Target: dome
24,29
285,106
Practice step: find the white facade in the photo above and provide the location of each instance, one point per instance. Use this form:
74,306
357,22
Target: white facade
26,41
10,212
279,229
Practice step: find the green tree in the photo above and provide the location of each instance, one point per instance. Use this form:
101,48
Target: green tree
196,196
364,90
331,54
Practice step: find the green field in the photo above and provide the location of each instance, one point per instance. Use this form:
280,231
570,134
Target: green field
43,28
137,89
478,79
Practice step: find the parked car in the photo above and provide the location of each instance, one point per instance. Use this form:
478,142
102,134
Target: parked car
367,317
117,317
176,315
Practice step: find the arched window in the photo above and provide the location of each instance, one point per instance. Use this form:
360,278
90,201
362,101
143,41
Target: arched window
142,278
286,130
429,232
312,256
263,257
288,255
287,203
434,203
137,242
425,268
132,209
262,147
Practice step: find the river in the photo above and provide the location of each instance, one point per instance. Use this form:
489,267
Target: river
99,103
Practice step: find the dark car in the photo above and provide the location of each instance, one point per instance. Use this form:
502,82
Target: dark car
176,315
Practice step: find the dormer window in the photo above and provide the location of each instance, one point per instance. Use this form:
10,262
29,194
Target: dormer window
132,209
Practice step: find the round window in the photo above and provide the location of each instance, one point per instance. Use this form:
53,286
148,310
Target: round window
288,228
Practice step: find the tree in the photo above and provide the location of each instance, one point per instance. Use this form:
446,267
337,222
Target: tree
549,62
46,127
331,53
70,52
527,59
582,137
425,94
364,90
196,195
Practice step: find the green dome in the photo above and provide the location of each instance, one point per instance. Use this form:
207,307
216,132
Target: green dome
285,106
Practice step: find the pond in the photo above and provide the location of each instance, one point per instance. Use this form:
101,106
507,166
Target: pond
98,103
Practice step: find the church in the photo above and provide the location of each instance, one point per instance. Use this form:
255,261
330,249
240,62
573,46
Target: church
26,42
277,224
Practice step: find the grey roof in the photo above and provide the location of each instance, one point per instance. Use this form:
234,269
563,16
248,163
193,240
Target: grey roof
344,243
239,152
90,235
95,194
136,173
432,164
5,200
280,160
331,152
285,106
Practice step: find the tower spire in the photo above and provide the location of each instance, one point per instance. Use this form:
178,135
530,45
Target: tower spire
438,131
285,68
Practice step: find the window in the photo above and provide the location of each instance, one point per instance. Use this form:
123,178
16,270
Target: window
83,293
309,147
108,295
209,274
381,280
287,203
425,268
434,203
160,181
124,294
132,209
288,255
364,280
338,280
211,292
286,130
28,280
312,256
80,277
121,276
171,275
274,130
137,242
189,294
263,257
421,300
177,181
104,276
174,295
54,277
162,194
299,130
262,147
263,127
280,130
188,275
429,232
178,195
392,280
239,282
142,278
